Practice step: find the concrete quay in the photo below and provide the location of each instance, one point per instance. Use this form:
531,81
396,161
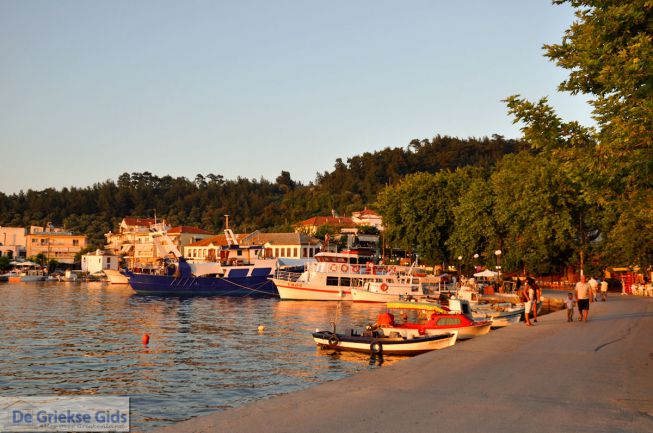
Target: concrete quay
553,377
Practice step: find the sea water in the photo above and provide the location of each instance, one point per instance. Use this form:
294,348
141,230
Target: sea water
204,354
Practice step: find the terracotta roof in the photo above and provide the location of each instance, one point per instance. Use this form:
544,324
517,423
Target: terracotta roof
262,238
215,240
285,239
367,212
144,222
328,220
189,229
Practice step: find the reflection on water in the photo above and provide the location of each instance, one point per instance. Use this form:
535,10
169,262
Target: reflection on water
205,353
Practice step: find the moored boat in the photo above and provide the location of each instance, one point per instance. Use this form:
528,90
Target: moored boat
333,276
377,343
239,272
420,318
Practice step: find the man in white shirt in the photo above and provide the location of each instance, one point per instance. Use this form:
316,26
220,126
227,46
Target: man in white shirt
594,285
583,298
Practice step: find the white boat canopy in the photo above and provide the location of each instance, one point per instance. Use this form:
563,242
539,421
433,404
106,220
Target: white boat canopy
487,274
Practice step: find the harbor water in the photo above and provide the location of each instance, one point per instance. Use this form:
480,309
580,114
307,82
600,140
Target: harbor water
205,353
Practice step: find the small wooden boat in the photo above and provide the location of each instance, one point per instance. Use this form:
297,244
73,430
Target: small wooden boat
377,343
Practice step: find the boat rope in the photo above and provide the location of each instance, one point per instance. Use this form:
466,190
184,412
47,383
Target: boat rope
253,288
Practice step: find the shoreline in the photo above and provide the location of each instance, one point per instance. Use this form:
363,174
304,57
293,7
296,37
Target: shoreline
556,376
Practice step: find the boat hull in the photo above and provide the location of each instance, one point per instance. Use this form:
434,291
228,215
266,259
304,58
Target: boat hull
383,345
300,292
362,295
251,286
115,276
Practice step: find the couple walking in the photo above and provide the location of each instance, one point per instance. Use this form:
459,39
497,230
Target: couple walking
531,296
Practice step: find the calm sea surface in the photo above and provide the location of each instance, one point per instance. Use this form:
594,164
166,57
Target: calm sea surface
205,353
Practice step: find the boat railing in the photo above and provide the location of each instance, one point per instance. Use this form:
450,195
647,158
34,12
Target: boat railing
288,276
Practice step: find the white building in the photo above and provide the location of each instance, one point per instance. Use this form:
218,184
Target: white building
99,261
13,243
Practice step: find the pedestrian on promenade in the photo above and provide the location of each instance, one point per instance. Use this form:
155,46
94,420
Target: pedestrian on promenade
583,298
569,303
604,291
594,285
528,294
538,296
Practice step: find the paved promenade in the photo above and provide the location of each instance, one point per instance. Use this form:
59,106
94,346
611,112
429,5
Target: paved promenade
554,377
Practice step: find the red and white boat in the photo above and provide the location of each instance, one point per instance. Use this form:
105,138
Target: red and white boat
414,319
333,276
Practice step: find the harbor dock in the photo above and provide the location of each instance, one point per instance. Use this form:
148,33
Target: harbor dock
554,377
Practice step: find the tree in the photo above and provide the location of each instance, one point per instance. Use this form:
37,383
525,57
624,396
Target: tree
609,53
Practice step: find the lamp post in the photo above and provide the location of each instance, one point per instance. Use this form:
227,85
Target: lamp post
498,254
460,265
476,262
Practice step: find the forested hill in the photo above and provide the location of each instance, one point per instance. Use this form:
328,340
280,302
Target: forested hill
253,204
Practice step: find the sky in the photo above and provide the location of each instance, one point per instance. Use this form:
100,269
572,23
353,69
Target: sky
92,89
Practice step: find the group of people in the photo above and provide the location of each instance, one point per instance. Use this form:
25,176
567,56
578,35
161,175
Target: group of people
585,293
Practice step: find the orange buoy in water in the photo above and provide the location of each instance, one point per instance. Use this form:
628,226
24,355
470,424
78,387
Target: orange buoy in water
146,339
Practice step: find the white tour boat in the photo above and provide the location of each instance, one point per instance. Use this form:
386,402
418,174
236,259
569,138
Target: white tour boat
333,276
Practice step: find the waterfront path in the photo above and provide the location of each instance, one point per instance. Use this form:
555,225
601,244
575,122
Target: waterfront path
553,377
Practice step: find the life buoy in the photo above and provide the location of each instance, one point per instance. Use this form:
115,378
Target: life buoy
333,267
344,268
376,347
334,340
384,287
355,268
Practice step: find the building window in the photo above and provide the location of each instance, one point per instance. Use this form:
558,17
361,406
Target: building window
288,252
75,242
294,252
305,252
276,252
108,260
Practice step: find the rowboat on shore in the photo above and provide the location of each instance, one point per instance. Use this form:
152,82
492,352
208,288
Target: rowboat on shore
378,343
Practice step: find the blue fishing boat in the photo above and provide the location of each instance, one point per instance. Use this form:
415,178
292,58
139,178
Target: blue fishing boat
238,270
181,280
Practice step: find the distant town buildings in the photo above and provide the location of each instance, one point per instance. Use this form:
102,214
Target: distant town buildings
99,261
274,245
54,243
366,217
13,242
138,240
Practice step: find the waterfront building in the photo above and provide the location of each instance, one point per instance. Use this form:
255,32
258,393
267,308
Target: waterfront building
275,245
99,261
135,240
367,217
13,243
364,218
54,243
312,225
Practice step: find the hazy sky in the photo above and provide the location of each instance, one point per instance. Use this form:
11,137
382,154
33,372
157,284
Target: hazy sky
92,89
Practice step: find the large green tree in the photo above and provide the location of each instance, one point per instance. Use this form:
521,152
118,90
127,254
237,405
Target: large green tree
608,51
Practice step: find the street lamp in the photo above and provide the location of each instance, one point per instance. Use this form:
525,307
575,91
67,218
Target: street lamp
498,254
476,262
460,265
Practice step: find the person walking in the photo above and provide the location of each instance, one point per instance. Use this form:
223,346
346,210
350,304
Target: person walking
528,294
604,291
569,304
594,285
538,296
583,298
